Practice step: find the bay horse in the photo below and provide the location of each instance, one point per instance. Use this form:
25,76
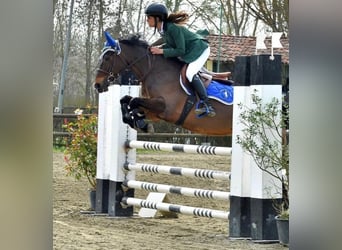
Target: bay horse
162,97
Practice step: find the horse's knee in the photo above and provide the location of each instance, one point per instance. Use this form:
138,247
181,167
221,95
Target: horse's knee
126,99
134,103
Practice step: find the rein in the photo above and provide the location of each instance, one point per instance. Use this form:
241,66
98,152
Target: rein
128,65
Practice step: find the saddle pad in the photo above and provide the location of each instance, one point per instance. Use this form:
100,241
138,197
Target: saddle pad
215,90
220,92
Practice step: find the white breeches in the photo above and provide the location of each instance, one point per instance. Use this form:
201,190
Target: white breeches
196,65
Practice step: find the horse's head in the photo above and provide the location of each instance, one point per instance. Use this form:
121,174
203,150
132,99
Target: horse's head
109,66
135,56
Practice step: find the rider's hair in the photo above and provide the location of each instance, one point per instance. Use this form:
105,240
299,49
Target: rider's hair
180,17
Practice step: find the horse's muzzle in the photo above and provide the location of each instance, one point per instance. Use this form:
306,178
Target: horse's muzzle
101,87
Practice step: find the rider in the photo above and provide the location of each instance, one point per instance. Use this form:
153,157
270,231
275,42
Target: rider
184,44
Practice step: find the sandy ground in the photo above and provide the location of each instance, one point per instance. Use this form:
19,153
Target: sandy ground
75,229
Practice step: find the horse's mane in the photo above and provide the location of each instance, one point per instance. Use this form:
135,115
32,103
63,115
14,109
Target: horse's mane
134,40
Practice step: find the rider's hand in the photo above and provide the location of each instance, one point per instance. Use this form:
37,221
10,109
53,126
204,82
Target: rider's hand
156,50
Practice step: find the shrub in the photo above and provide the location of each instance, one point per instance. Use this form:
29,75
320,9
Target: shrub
264,138
81,153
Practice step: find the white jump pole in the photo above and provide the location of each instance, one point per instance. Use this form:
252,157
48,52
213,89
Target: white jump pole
173,170
162,188
185,148
167,207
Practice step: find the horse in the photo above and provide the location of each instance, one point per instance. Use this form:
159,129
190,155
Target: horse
162,97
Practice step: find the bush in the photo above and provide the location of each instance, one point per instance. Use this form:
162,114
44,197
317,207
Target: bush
264,138
81,153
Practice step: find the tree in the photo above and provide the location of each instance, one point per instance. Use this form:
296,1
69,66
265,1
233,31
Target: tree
89,49
274,13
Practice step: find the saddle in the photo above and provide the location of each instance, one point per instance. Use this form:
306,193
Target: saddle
207,76
217,92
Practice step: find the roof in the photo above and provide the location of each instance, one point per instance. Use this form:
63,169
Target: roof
232,46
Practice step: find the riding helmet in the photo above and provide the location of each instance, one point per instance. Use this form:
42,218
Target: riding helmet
157,9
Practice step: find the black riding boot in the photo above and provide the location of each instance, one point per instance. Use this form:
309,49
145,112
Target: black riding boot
206,107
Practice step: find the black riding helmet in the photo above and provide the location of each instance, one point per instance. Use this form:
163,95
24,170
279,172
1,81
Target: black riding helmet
157,10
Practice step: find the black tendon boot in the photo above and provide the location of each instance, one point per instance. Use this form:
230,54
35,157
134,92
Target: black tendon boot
206,107
126,110
138,118
126,117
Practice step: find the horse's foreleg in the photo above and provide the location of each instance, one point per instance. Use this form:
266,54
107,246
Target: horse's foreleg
132,114
125,99
133,110
155,105
125,111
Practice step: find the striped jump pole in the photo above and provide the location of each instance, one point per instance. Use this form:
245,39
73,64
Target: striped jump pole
172,170
184,148
167,207
161,188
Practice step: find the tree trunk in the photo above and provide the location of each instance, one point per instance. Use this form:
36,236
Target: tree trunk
89,50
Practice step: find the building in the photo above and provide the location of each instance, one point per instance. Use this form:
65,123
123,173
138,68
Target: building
224,49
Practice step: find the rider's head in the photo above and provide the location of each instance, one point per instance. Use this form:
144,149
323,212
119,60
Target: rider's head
157,10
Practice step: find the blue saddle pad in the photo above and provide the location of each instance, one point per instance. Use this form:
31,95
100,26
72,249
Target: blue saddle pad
220,92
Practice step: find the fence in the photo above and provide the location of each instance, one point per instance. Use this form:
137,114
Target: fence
61,136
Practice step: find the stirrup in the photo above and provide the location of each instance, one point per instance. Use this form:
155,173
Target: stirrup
204,109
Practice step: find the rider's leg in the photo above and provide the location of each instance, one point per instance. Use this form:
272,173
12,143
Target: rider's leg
199,87
197,84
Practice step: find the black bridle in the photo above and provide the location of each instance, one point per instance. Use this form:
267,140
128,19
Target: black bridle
111,76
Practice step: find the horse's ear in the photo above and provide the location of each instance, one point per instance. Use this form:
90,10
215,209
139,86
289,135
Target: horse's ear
110,40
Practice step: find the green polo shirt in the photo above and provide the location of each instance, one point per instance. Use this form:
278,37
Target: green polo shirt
182,43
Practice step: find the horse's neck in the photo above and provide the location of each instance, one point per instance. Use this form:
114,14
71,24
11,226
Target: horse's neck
139,65
151,65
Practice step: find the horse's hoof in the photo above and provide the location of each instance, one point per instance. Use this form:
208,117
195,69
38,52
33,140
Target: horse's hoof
129,122
141,124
